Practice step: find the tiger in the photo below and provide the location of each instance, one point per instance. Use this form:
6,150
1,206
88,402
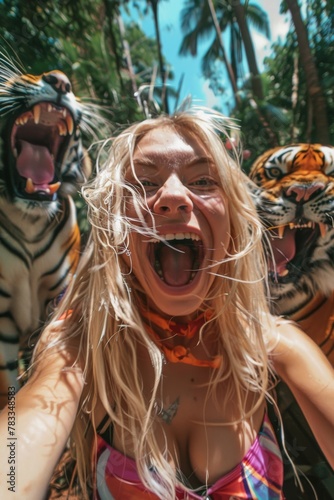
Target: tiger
42,164
294,197
293,190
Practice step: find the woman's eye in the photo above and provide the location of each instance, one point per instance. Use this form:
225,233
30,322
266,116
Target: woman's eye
204,182
147,183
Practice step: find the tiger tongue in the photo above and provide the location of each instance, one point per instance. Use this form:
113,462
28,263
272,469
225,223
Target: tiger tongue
35,162
176,264
284,250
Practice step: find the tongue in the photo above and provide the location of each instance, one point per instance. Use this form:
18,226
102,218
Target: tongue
35,163
176,264
284,250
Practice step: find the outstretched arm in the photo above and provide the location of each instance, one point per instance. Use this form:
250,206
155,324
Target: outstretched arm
35,426
305,369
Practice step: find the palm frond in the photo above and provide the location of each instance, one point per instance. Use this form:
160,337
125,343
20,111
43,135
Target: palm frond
258,18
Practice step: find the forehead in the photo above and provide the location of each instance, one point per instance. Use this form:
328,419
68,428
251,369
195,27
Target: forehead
165,141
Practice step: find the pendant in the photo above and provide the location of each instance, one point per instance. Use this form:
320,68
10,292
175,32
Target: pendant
168,415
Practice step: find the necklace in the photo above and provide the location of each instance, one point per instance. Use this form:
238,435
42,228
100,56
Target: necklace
179,353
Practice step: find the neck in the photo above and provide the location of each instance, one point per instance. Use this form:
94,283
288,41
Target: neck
147,309
177,339
176,327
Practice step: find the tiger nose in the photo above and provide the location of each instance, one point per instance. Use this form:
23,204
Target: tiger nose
304,192
59,81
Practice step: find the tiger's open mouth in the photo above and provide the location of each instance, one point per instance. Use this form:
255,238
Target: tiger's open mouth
177,257
39,138
292,244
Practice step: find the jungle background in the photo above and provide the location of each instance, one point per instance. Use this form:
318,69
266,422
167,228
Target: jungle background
110,60
114,64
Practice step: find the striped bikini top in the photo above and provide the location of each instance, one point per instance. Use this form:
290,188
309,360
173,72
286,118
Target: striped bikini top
259,475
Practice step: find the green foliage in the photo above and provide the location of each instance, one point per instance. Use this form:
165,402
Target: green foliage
277,119
263,125
280,68
83,39
86,41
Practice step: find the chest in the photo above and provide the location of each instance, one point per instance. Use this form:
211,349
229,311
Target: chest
201,430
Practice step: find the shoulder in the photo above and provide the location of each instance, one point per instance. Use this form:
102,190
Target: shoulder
296,358
292,341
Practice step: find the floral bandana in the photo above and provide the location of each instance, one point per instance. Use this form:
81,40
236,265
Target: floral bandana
179,353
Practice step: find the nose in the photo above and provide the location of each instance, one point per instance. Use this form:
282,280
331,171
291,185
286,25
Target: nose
59,81
303,192
173,198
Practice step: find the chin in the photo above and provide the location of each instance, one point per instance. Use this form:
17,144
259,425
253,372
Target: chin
178,310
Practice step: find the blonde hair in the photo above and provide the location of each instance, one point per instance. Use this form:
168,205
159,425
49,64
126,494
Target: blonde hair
104,301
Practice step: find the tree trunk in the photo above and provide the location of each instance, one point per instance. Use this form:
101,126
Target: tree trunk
127,55
226,61
316,96
162,69
111,13
239,11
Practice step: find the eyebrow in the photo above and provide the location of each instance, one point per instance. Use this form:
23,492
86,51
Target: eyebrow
151,161
145,162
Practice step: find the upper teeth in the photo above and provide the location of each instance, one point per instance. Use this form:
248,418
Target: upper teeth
308,225
64,127
37,113
175,236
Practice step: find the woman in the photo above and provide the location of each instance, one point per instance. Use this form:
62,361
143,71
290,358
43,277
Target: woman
160,359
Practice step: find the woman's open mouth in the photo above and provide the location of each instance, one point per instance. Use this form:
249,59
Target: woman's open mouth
176,257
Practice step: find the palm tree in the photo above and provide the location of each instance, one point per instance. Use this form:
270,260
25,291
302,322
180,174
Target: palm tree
240,12
315,93
196,23
127,54
229,68
111,11
162,68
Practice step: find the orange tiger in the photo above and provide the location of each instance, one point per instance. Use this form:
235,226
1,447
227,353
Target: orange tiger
295,200
42,162
293,192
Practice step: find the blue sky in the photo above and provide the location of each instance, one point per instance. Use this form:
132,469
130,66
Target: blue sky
193,83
